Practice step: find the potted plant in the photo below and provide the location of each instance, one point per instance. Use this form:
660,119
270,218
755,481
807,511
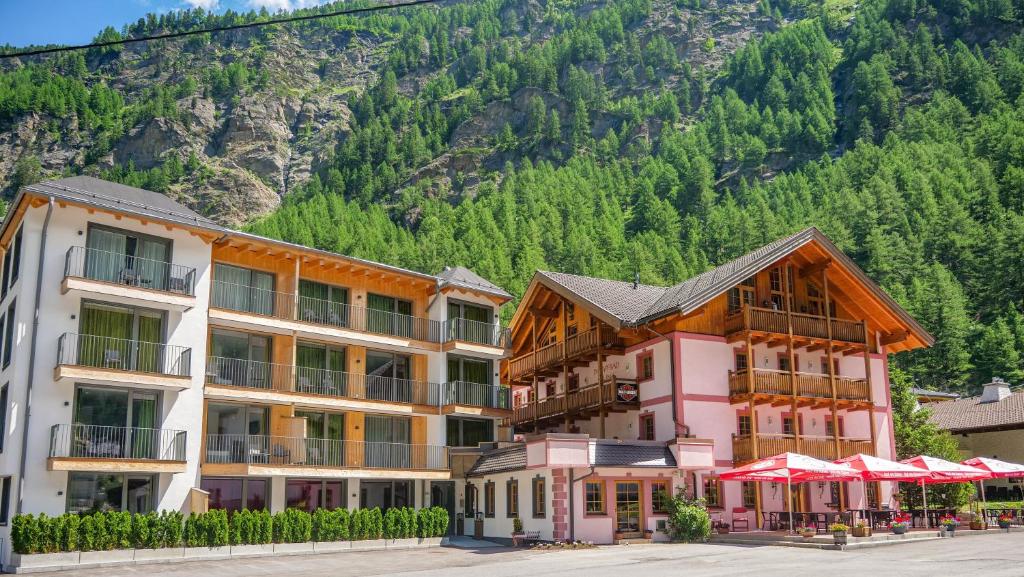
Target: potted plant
861,529
517,531
807,531
838,531
949,523
977,523
721,527
900,524
1004,521
619,536
648,534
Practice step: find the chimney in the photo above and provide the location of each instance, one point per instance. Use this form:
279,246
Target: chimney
636,280
995,391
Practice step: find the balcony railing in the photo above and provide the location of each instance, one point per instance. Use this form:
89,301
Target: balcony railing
317,381
476,395
124,354
578,401
775,321
297,451
476,332
102,442
813,385
817,447
123,269
553,355
289,306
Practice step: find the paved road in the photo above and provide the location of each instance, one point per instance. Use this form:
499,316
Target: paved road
992,556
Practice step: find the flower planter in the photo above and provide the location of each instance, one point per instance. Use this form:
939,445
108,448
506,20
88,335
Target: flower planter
723,530
808,534
369,545
90,558
252,550
861,531
902,530
1004,525
839,537
402,543
40,561
978,525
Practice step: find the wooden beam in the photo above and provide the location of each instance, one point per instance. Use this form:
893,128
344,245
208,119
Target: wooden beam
538,312
816,268
895,337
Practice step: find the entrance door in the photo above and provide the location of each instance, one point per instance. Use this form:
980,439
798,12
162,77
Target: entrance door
627,509
442,494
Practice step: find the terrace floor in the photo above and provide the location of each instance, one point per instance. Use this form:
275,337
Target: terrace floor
992,555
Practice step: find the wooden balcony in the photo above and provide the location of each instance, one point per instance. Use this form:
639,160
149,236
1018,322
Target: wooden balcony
769,323
577,350
818,447
580,404
777,387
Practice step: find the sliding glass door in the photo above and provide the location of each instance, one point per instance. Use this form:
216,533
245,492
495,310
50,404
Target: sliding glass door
243,289
324,437
125,257
323,304
239,359
387,441
469,382
472,323
389,315
387,377
115,423
119,337
320,369
237,433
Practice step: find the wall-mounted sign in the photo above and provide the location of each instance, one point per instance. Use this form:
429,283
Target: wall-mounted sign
627,393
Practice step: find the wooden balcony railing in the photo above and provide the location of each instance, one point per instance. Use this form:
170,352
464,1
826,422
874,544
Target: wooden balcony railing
811,385
812,446
766,320
578,401
551,356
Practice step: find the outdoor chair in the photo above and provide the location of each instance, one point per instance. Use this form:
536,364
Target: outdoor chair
739,517
112,357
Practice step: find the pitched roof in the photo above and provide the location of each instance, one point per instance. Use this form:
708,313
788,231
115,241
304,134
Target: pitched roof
120,197
971,414
460,276
933,394
499,461
644,303
605,453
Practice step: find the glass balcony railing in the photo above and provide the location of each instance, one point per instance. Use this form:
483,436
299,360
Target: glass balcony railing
103,442
123,269
123,354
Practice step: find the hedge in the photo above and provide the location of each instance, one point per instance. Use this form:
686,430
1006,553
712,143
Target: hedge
103,531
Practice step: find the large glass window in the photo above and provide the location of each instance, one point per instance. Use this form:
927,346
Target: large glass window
469,382
91,492
322,303
239,359
121,338
125,257
243,289
320,369
236,433
235,494
468,370
387,442
324,435
312,494
387,377
595,498
115,423
385,494
512,498
389,315
9,332
468,322
467,432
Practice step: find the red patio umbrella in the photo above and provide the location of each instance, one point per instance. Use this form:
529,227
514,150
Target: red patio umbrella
791,468
873,468
998,469
942,471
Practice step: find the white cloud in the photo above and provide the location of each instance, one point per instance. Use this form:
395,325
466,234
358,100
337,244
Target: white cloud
204,4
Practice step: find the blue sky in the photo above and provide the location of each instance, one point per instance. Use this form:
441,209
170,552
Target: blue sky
24,22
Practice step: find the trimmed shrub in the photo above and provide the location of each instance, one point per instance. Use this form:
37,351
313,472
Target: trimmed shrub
331,525
376,523
293,526
393,524
170,528
360,525
688,519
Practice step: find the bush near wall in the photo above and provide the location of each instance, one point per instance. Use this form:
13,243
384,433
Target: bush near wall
104,531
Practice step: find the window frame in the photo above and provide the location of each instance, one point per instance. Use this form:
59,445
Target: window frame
746,486
741,417
539,497
661,509
154,479
489,504
641,376
8,336
4,400
244,499
646,420
712,484
5,499
601,499
512,498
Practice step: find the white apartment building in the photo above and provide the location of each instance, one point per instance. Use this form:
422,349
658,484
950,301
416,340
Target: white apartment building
152,359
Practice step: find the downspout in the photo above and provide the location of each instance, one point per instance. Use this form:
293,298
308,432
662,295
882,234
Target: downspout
32,360
572,493
675,385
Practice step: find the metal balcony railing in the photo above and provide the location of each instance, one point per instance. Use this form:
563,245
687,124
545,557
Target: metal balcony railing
323,312
317,381
275,450
476,395
103,442
124,354
124,269
476,332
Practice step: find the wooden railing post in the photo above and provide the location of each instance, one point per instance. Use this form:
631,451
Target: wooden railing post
600,377
831,365
536,393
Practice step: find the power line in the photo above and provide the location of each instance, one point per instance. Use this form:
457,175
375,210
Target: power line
287,20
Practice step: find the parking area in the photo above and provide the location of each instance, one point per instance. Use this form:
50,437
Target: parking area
999,555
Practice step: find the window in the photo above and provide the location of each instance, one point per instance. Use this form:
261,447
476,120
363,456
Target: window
387,442
824,366
784,361
872,494
470,322
3,416
115,423
839,494
830,427
549,389
775,284
470,371
243,289
594,497
385,494
647,427
127,257
320,369
390,316
312,494
539,499
467,432
388,377
749,493
645,366
815,300
5,500
91,492
323,304
787,424
713,491
15,257
573,383
570,312
741,295
231,422
239,359
489,499
741,362
6,274
324,441
111,336
512,498
9,333
659,497
235,494
743,424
